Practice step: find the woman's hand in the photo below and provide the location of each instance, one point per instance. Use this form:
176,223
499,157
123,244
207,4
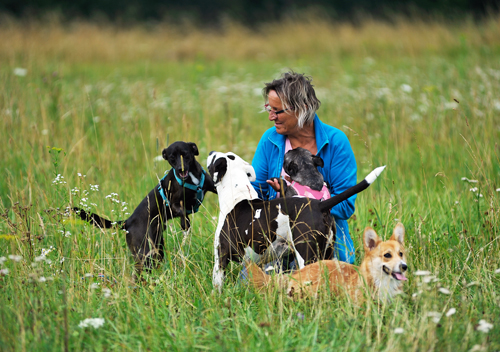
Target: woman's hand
275,182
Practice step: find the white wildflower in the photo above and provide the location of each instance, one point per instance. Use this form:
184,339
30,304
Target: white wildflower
158,158
435,316
444,291
94,322
94,285
406,88
106,292
497,271
59,180
94,188
39,258
45,131
451,105
474,189
430,278
498,190
16,258
399,330
422,273
96,119
451,312
496,105
4,271
21,72
484,326
45,252
2,260
42,279
473,283
88,275
470,181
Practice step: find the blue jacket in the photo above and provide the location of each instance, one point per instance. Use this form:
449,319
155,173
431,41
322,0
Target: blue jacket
339,172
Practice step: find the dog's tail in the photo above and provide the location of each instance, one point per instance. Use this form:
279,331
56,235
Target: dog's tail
97,220
330,203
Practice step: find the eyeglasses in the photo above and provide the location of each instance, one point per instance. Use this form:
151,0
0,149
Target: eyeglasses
268,108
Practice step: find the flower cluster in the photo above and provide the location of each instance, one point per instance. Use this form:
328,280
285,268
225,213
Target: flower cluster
59,180
94,322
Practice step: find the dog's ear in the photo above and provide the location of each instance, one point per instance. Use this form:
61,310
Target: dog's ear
317,161
292,169
194,148
398,234
370,239
218,169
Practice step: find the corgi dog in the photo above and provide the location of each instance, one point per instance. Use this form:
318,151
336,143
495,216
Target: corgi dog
382,272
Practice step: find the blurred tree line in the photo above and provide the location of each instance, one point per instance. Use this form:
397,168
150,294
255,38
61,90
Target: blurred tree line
249,12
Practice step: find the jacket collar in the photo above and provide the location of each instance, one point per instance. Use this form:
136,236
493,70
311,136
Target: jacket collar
319,132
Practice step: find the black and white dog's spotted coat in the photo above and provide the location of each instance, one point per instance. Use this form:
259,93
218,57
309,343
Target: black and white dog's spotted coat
245,220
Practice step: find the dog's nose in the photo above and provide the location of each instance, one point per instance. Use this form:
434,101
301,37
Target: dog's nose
404,267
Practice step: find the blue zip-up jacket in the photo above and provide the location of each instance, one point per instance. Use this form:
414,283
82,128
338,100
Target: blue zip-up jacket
339,172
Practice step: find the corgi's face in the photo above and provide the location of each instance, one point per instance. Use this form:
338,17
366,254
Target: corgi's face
386,260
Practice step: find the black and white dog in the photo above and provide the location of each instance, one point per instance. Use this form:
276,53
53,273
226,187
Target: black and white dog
245,220
178,194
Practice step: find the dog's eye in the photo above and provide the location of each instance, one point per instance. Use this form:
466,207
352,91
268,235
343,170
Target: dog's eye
388,255
231,157
401,254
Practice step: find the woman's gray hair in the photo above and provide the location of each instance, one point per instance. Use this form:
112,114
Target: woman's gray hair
296,93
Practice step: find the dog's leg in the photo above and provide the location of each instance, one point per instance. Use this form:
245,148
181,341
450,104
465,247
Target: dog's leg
221,255
284,231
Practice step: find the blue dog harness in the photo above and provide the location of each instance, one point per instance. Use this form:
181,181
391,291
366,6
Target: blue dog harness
198,188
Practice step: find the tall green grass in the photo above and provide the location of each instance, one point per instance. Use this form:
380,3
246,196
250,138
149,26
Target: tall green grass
98,104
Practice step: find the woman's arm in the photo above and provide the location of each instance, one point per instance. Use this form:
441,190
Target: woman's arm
261,167
342,175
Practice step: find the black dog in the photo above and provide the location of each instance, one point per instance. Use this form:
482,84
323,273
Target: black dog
302,167
245,220
178,194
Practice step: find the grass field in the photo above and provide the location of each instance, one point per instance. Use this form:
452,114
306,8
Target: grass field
97,104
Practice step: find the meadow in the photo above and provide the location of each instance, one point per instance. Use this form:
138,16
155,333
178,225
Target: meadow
87,108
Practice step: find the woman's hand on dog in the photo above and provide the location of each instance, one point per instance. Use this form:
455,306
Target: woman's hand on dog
275,182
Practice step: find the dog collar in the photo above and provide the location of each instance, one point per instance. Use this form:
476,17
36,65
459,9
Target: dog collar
197,188
306,191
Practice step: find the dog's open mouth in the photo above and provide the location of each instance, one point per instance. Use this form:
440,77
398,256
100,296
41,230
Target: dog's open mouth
397,276
183,174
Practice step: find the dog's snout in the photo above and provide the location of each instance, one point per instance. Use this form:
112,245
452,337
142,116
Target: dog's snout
404,267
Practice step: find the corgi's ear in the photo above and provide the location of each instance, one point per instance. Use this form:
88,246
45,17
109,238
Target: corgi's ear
370,239
398,234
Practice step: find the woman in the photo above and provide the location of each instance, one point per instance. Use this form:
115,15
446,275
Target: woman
292,104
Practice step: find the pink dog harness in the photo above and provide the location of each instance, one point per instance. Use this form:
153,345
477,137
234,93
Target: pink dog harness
306,191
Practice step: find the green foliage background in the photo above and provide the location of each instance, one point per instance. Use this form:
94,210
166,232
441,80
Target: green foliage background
422,98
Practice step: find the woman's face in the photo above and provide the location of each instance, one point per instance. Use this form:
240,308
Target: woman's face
286,122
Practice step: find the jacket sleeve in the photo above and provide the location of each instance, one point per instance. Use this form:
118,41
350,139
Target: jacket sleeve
261,166
342,176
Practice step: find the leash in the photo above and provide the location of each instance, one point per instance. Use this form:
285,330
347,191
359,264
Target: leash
197,188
